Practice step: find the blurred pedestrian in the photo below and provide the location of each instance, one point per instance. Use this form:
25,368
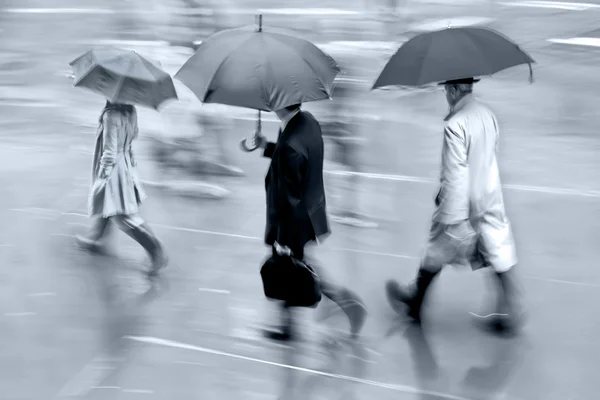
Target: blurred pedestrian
469,223
296,207
341,130
116,191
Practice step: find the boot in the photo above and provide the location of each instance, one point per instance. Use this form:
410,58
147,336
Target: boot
509,315
409,301
144,236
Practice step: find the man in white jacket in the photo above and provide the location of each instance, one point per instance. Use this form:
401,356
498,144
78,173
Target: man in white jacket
469,223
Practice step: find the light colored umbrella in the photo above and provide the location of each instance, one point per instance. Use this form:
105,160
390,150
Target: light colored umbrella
123,76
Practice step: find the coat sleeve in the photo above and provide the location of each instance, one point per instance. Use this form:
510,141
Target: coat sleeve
109,149
293,172
269,150
453,198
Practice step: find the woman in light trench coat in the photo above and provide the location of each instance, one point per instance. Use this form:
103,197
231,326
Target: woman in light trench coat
116,192
469,224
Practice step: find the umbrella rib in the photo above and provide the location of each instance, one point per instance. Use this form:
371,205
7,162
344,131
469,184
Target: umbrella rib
225,59
307,63
88,72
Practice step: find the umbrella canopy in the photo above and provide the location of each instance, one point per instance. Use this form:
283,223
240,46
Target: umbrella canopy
451,54
260,70
123,76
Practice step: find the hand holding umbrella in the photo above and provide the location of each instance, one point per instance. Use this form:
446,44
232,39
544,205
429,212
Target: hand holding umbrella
265,71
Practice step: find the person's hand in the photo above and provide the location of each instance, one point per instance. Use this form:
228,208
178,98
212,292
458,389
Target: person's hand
282,250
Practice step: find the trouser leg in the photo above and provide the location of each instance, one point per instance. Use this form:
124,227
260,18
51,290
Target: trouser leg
136,228
98,230
350,303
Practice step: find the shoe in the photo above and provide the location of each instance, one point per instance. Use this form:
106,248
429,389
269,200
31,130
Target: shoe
409,301
93,246
279,335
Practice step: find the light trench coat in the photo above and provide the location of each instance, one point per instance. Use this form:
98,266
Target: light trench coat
470,191
116,187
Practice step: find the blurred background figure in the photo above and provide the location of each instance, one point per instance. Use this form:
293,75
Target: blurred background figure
344,148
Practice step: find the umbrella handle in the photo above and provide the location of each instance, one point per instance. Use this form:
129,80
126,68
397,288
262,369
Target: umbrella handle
257,132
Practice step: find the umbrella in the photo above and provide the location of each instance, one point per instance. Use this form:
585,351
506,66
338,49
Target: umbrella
266,71
450,54
123,76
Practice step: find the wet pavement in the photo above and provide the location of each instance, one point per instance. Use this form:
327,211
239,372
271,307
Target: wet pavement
76,325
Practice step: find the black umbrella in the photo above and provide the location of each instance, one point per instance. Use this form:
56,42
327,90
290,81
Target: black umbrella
451,54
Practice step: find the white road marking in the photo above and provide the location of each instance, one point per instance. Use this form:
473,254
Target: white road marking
564,282
578,41
138,391
217,291
7,245
106,387
20,314
523,188
58,11
90,376
43,294
560,5
383,385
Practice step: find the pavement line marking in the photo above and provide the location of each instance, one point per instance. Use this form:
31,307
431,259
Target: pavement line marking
138,391
43,294
7,245
217,291
20,314
564,282
552,4
58,11
192,230
383,385
106,387
578,41
524,188
375,253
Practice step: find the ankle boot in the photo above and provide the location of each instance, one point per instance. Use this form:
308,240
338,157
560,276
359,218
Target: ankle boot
144,236
412,298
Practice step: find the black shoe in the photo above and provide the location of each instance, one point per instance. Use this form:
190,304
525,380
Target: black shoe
410,301
279,335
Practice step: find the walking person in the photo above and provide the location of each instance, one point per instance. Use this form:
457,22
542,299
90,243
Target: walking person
296,207
469,222
116,192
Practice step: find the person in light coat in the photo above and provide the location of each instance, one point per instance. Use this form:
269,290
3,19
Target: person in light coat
116,191
469,224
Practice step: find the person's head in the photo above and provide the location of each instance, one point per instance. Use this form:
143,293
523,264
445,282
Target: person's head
457,89
122,108
284,112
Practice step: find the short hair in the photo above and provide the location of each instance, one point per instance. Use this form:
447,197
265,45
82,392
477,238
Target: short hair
293,107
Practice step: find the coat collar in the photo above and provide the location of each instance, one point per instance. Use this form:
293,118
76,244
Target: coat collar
462,103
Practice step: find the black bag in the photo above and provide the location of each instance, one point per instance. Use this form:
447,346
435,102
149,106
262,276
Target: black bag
291,280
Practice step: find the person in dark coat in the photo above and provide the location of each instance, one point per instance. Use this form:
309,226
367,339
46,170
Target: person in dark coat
296,206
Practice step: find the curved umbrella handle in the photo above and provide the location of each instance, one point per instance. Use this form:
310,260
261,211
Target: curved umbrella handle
257,132
245,147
